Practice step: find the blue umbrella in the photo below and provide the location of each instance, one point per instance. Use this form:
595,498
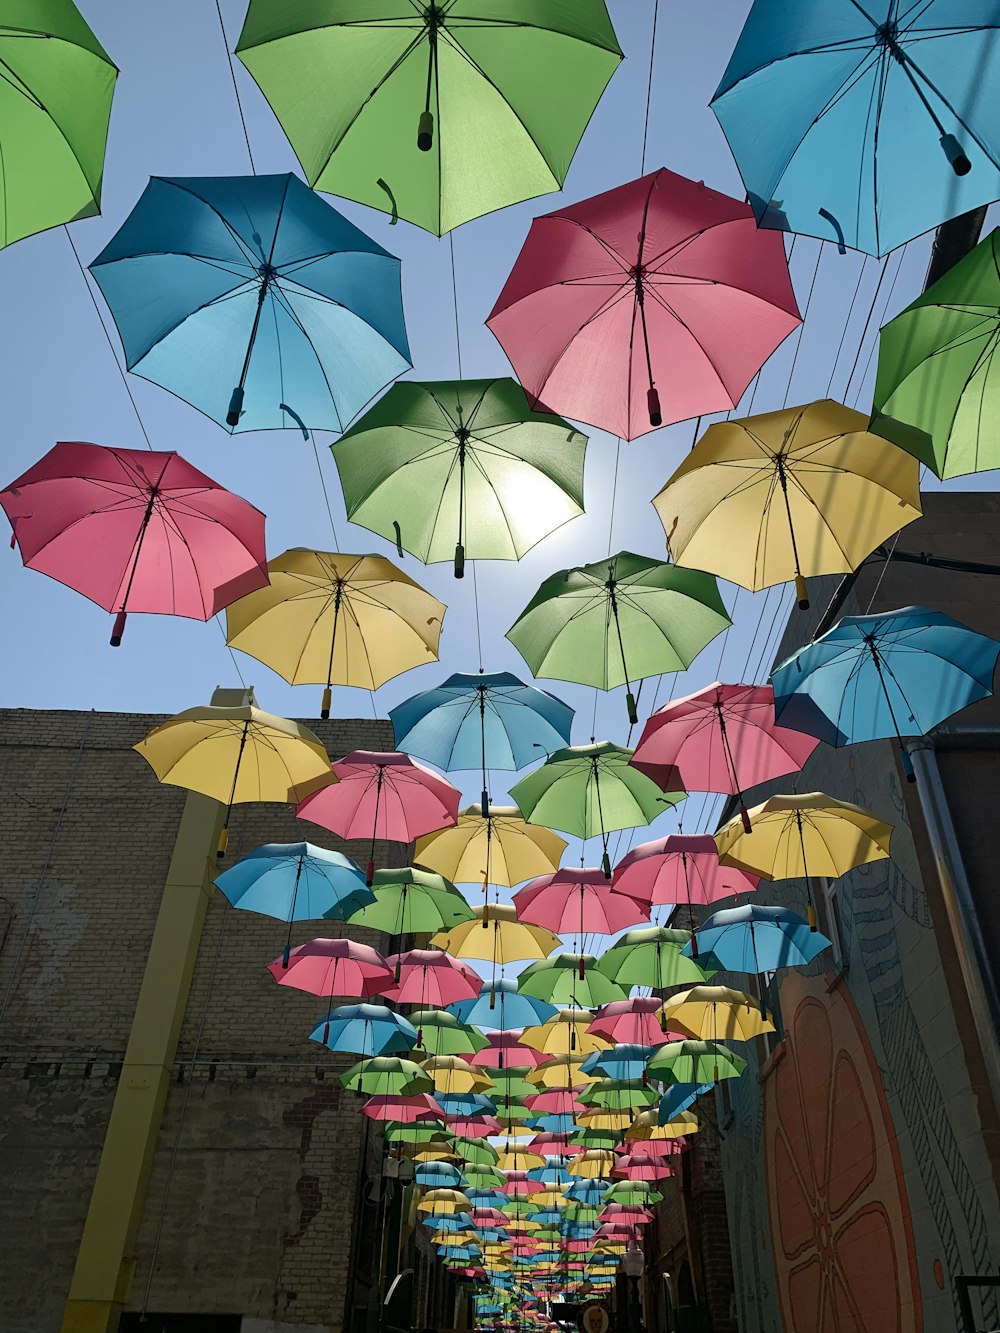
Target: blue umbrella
874,677
548,1217
244,294
465,1105
626,1061
365,1029
553,1172
459,1251
551,1124
510,1009
295,881
756,939
482,722
679,1097
484,1198
447,1221
438,1175
590,1192
866,122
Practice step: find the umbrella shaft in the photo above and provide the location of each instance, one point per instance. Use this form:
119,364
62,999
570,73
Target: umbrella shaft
151,504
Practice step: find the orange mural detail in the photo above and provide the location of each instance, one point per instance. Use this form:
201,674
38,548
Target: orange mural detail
840,1221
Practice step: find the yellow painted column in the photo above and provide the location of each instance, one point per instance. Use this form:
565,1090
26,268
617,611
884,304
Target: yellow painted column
105,1260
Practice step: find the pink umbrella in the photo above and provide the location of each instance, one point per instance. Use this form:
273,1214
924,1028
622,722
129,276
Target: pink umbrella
652,1149
723,739
634,1021
647,1168
577,1245
475,1127
617,1231
381,794
333,967
403,1110
577,900
658,281
430,979
554,1101
623,1212
506,1048
489,1217
679,868
136,530
520,1184
554,1145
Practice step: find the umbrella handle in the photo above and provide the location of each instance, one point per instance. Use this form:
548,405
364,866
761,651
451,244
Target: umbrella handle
745,818
118,630
653,406
235,407
459,560
425,131
606,864
801,592
223,843
633,712
955,154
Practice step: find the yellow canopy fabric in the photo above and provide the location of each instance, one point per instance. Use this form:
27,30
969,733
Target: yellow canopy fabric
799,836
561,1071
503,939
602,1117
645,1126
501,848
596,1164
452,1074
446,1203
328,618
724,510
516,1157
716,1013
565,1033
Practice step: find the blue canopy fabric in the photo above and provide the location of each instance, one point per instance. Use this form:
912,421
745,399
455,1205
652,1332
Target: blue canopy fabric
249,295
554,1123
587,1191
680,1097
625,1061
874,677
438,1175
510,1010
448,1221
553,1172
464,1105
365,1029
755,939
296,881
865,122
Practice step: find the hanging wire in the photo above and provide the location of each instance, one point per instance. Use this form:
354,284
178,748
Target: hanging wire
847,324
875,341
864,332
475,595
454,295
649,87
236,90
222,631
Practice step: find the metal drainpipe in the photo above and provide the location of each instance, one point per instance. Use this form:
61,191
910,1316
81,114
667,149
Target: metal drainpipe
963,918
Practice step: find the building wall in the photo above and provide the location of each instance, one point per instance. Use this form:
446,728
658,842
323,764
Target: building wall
860,1155
254,1205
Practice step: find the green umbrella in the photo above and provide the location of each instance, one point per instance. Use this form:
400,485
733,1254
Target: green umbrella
440,110
937,392
581,1212
461,468
617,621
651,956
477,1151
425,1136
558,980
387,1076
694,1062
591,790
411,901
518,1207
595,1138
441,1033
632,1191
511,1082
56,85
483,1176
617,1094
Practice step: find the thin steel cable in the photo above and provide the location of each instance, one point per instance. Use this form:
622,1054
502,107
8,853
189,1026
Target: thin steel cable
649,87
475,595
236,90
876,341
222,631
454,296
864,332
847,324
326,493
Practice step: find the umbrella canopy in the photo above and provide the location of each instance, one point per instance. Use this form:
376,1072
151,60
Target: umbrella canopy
460,108
333,967
635,1022
894,674
365,1029
55,102
461,468
681,868
414,1110
624,1061
755,939
412,901
570,980
723,738
332,619
296,881
618,1094
651,303
559,1071
936,382
596,1164
501,1006
496,847
135,529
446,1202
242,294
494,934
451,1074
716,1013
677,1098
441,1033
787,495
632,1192
428,977
438,1175
863,124
506,1048
592,790
618,620
813,834
235,755
565,1033
387,1076
577,900
651,956
382,795
694,1062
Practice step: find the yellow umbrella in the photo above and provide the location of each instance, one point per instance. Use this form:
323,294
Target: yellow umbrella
454,1237
514,1129
452,1074
597,1164
500,848
236,755
790,494
515,1157
425,1154
446,1203
716,1013
338,619
497,936
565,1033
602,1117
561,1071
550,1198
645,1126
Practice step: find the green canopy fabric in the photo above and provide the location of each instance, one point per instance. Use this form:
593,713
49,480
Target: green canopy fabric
56,85
619,620
387,1076
558,980
937,391
651,956
441,111
461,468
617,1094
694,1062
442,1033
411,901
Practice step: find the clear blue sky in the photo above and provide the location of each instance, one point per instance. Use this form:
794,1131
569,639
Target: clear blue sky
175,114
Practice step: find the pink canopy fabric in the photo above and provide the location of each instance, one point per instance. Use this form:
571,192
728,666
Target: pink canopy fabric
722,739
554,1101
681,868
577,901
519,1183
489,1217
618,1230
136,530
430,979
554,1145
634,1021
403,1110
382,795
474,1127
506,1049
647,1168
624,1212
334,967
654,302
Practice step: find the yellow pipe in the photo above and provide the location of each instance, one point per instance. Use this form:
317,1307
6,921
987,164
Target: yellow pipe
105,1261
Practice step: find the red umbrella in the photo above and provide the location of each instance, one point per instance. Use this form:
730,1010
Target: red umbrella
679,868
653,302
403,1110
634,1021
506,1048
382,795
430,979
722,739
136,530
577,900
333,967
